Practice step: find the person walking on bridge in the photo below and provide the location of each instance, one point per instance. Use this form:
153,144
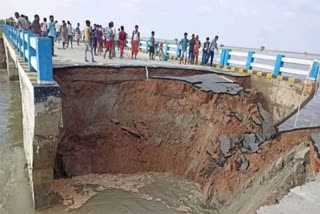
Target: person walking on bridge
213,46
122,41
205,50
88,41
78,34
191,49
44,27
109,42
51,32
35,26
58,28
184,47
64,34
152,46
197,46
135,42
21,22
70,34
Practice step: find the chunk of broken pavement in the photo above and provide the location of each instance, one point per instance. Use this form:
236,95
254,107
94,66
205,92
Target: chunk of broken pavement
244,163
267,124
225,145
256,120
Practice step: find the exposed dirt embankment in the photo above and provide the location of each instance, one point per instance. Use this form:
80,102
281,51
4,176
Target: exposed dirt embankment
125,124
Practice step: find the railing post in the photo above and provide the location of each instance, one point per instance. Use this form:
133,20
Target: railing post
278,65
223,51
44,61
25,44
314,70
250,60
177,50
226,57
31,51
21,43
166,48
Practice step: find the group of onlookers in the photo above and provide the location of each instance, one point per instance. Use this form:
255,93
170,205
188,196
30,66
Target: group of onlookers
96,38
191,54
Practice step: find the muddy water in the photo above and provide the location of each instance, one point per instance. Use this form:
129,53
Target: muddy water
166,195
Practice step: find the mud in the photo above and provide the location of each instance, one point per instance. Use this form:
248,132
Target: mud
124,124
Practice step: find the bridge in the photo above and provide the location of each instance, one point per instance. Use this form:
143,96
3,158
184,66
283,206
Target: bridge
29,60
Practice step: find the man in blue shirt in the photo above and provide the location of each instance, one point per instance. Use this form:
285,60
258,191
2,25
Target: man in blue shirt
184,46
51,32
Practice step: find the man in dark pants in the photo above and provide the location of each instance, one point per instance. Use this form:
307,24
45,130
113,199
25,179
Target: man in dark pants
191,47
51,32
212,47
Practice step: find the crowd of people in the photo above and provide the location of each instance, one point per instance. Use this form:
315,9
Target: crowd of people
96,39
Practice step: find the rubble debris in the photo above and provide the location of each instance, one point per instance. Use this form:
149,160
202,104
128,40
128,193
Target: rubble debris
267,124
244,163
225,145
256,120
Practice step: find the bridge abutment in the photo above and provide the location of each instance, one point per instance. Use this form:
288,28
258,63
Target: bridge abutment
41,108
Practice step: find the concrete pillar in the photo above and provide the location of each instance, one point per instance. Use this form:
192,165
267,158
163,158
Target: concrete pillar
11,66
250,60
278,65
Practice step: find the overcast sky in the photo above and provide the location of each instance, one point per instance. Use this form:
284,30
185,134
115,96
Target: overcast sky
288,25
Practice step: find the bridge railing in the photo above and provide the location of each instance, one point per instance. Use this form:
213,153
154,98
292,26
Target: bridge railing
276,64
34,50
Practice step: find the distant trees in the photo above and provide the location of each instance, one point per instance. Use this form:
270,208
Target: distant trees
221,45
262,48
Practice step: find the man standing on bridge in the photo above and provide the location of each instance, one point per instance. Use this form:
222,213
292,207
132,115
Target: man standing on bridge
51,32
88,41
212,47
21,22
184,46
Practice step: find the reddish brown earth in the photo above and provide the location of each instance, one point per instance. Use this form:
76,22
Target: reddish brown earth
129,126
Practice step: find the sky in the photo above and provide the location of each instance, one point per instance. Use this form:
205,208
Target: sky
286,25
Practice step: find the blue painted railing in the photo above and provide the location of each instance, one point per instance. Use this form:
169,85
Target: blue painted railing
278,61
34,50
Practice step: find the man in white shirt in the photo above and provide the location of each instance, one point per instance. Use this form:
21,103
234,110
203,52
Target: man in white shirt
44,27
70,34
58,27
21,22
114,31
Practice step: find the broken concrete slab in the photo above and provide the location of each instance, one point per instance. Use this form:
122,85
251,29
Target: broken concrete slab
256,120
260,138
315,139
244,163
208,83
225,145
239,116
248,139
